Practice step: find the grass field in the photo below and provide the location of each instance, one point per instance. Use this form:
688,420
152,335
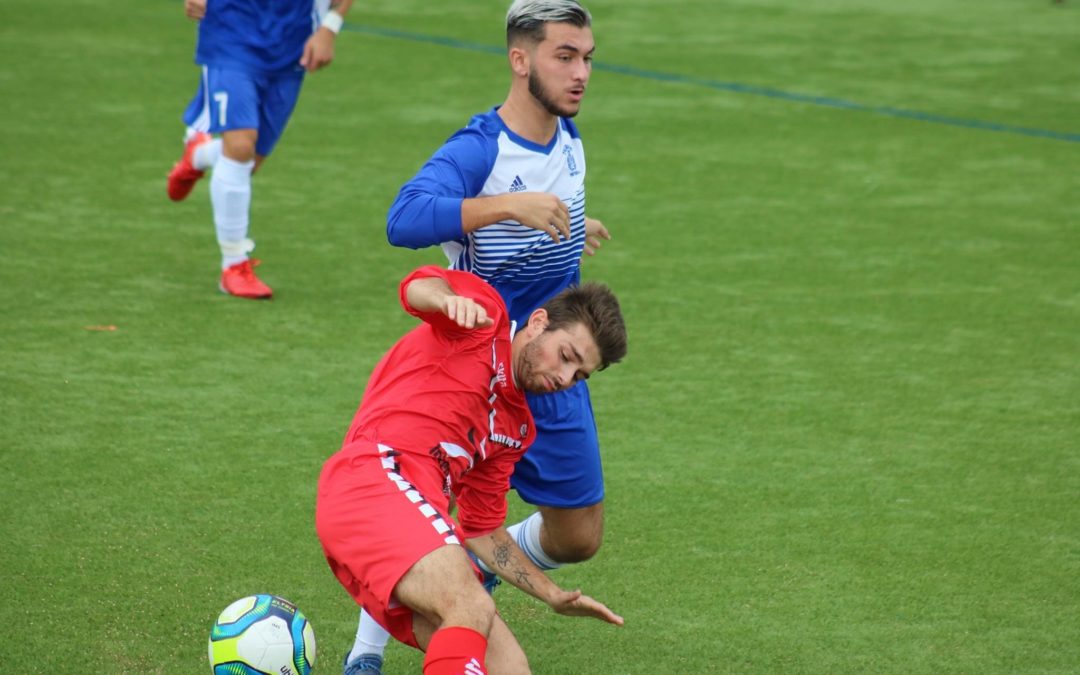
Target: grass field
847,241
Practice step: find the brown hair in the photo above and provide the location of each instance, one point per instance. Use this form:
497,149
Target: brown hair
594,305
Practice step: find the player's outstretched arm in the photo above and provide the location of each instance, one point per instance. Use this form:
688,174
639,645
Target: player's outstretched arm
501,553
432,294
539,210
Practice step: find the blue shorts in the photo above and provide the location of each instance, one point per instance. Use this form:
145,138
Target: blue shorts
230,99
562,467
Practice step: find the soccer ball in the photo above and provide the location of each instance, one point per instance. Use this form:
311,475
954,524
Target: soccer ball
262,634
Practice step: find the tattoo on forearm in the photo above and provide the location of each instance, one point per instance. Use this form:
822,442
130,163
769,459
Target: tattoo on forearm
502,555
507,563
523,577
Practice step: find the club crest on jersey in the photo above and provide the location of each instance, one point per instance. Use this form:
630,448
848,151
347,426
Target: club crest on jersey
500,374
518,185
570,163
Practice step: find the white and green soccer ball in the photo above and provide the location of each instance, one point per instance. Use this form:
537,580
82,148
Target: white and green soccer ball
262,635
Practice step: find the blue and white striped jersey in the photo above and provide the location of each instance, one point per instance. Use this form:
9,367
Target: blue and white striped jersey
487,158
256,36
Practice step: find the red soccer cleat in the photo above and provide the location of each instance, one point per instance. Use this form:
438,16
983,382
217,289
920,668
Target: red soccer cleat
183,176
240,280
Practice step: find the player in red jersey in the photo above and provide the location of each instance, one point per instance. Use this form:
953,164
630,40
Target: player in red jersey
444,416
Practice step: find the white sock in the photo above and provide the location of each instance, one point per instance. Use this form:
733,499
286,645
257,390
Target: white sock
206,155
230,195
371,638
527,536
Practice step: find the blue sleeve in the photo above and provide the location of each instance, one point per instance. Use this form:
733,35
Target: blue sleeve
427,211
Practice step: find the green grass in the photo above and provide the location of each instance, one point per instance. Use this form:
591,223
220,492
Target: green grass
846,436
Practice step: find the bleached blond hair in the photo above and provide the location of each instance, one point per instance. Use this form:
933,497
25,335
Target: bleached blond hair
525,20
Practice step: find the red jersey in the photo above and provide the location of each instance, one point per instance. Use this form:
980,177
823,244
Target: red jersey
446,395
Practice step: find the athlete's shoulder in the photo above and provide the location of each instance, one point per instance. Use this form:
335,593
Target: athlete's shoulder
481,134
570,128
487,123
473,149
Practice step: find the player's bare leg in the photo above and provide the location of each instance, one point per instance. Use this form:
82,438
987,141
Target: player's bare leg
456,615
572,535
504,653
239,144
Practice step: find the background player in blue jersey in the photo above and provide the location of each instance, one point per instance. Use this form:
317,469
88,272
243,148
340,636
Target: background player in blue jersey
505,198
254,54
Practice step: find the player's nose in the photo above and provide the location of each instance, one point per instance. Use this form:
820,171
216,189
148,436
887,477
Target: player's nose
581,71
565,376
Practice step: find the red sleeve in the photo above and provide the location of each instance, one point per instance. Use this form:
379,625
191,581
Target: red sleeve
481,494
465,284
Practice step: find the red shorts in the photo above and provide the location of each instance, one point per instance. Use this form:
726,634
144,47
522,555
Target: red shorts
377,513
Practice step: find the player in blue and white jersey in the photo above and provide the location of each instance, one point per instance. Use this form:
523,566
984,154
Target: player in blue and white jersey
254,54
529,240
505,198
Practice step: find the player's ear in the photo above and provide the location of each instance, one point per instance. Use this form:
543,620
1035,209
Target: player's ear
519,61
538,321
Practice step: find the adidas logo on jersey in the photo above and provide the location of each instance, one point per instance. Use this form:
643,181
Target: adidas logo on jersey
518,185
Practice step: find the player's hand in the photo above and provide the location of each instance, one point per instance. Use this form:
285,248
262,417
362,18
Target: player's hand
574,603
466,312
542,211
318,50
195,9
594,232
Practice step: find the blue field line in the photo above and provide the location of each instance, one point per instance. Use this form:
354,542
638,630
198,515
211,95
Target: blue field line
740,88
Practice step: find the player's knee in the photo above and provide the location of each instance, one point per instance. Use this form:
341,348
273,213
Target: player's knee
574,546
239,146
579,551
572,536
472,608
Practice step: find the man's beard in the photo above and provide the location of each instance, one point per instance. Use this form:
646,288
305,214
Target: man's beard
529,356
540,93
